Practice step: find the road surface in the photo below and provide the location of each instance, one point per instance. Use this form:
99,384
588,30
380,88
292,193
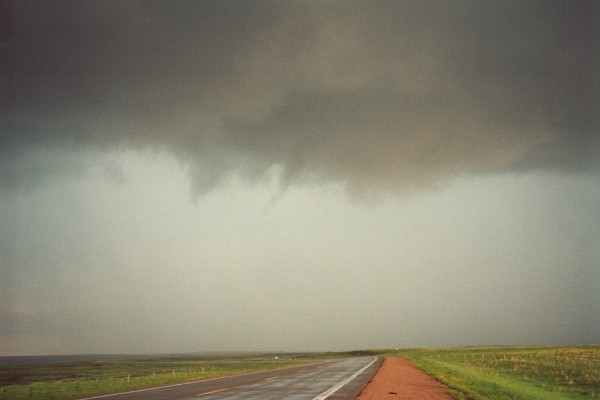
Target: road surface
339,380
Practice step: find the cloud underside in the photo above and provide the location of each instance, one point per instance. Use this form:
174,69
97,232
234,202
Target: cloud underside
375,95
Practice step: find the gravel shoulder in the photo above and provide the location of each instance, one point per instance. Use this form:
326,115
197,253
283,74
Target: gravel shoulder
398,378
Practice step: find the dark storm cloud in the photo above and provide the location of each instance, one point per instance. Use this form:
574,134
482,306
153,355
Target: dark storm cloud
372,94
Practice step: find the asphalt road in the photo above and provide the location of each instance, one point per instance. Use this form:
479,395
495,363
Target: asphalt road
339,380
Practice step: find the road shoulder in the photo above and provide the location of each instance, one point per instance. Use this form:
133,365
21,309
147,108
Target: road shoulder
398,378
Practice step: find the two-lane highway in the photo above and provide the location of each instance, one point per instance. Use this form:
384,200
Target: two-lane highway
340,379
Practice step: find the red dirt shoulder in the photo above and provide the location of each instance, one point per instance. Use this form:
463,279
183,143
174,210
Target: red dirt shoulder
398,378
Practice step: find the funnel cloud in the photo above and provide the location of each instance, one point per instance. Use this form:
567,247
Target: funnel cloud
370,95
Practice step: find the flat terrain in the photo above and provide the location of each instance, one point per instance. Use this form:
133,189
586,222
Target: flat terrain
78,378
480,373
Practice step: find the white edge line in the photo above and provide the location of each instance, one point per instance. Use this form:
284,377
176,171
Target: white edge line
335,388
180,384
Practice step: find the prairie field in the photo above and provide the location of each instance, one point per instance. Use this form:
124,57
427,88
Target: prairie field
515,373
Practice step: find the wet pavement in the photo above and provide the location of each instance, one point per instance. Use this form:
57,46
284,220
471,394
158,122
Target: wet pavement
333,380
318,384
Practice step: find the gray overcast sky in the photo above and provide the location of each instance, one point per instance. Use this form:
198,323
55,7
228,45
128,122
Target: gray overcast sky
298,175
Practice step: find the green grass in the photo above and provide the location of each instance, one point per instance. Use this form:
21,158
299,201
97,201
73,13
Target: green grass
69,380
515,373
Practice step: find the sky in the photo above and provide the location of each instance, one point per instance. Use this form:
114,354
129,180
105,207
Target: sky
184,176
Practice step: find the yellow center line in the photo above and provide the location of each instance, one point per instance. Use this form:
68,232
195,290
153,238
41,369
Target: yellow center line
273,377
212,391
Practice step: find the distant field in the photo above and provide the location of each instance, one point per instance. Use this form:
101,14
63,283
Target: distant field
515,373
66,380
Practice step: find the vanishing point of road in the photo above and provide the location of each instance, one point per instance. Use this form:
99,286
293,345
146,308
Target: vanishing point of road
339,380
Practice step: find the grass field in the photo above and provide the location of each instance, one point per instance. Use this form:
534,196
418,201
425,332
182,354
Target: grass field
67,380
515,373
